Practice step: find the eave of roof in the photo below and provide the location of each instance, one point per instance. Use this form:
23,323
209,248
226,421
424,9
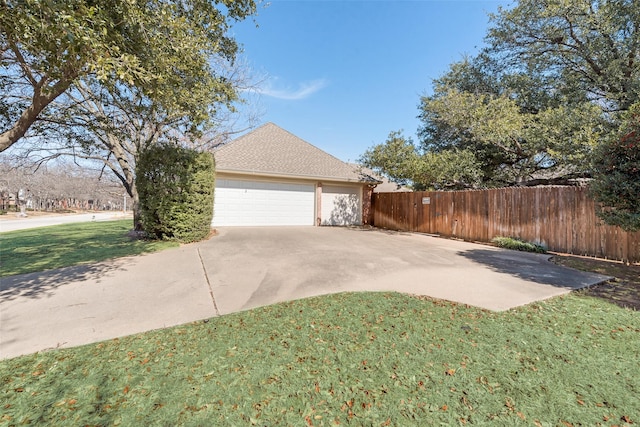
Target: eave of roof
364,180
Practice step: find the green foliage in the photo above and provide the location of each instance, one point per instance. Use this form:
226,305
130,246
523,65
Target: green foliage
616,185
400,160
396,158
450,170
165,50
45,248
518,244
476,140
175,185
516,135
366,359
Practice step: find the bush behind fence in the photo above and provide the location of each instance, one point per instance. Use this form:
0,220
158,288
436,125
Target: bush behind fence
563,219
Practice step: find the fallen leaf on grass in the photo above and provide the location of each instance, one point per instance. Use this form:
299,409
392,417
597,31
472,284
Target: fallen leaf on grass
626,419
450,372
466,403
509,404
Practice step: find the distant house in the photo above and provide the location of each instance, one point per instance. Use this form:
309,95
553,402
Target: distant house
384,185
271,177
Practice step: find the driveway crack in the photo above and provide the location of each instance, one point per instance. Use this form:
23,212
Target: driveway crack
206,276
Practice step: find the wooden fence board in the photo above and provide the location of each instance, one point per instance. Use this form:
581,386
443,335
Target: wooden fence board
561,218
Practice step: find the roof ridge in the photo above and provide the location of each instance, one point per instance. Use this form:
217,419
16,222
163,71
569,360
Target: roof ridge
252,131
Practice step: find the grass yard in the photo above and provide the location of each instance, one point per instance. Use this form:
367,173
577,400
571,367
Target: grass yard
366,359
39,249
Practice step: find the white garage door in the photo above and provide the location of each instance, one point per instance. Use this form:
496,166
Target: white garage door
240,202
341,205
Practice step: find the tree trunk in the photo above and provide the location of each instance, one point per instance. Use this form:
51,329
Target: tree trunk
137,214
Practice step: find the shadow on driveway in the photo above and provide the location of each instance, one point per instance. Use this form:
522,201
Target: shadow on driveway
532,267
41,284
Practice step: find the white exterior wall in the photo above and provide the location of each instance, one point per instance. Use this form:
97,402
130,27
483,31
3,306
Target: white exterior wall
341,205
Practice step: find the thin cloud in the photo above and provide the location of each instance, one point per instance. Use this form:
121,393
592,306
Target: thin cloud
304,90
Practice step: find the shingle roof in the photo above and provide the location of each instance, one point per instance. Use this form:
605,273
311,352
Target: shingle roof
272,150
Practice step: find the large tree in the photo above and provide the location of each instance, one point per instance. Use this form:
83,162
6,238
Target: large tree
487,127
554,80
579,46
108,128
512,145
156,47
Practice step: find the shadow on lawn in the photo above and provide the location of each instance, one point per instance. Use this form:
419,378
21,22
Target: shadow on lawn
40,284
533,267
624,290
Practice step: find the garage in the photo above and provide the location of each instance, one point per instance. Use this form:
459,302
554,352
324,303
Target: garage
259,203
341,205
271,177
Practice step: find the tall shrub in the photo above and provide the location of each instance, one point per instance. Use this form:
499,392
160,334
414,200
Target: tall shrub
616,184
175,185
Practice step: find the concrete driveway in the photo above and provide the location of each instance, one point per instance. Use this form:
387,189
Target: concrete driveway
243,268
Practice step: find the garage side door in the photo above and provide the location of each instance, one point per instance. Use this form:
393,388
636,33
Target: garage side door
341,205
239,202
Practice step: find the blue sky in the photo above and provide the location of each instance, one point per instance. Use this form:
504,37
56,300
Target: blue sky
343,74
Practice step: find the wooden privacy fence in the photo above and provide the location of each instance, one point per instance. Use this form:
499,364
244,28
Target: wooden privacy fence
563,219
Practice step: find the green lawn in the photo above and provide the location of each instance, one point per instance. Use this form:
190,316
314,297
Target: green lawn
39,249
366,359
